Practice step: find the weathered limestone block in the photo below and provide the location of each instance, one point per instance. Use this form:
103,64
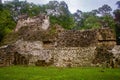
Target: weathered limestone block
33,51
116,56
103,57
6,55
28,46
106,38
106,35
40,22
108,44
74,56
77,38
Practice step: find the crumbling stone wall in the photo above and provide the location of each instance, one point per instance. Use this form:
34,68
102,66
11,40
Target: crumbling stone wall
106,42
116,56
74,56
77,38
10,56
6,56
34,52
31,53
79,48
61,57
65,48
106,38
38,22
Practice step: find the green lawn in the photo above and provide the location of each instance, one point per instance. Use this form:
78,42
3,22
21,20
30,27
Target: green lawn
50,73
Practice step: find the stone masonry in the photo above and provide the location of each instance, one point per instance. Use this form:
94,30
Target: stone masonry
64,48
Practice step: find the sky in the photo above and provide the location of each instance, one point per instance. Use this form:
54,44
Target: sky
83,5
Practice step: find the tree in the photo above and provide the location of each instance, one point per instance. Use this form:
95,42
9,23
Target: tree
91,22
59,14
118,4
87,20
95,12
22,7
0,1
105,10
7,24
117,13
78,19
107,21
64,8
31,9
117,27
117,22
1,7
66,22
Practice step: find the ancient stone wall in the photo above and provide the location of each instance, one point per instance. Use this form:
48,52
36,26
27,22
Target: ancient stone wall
61,57
106,38
31,53
74,57
116,55
77,38
36,44
71,49
6,55
38,22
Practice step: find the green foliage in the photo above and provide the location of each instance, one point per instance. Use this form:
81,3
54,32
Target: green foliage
9,38
31,9
1,7
117,15
50,73
117,29
6,23
66,22
117,22
107,21
52,30
91,22
23,7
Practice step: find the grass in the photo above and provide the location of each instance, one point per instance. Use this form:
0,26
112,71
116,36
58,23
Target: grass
50,73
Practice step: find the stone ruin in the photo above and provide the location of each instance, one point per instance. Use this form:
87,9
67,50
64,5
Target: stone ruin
41,45
39,22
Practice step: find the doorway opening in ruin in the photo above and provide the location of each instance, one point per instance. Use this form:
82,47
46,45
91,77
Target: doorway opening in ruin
47,42
20,59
